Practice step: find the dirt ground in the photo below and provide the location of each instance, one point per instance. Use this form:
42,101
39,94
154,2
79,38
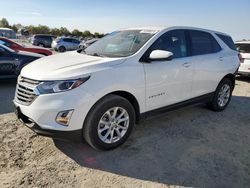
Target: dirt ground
191,147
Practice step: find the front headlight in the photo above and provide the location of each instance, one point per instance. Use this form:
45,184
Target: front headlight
47,87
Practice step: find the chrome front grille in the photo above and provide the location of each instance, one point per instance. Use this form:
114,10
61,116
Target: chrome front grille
25,91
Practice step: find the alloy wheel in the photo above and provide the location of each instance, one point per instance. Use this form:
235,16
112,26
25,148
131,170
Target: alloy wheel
113,125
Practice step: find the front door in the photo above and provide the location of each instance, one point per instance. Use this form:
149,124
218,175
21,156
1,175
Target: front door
169,82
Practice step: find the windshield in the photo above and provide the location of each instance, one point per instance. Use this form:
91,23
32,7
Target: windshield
120,43
243,48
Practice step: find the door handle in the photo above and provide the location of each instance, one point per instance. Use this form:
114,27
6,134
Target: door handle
221,58
187,64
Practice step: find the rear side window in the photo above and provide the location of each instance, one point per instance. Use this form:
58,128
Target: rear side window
44,37
243,48
203,43
75,41
67,40
227,40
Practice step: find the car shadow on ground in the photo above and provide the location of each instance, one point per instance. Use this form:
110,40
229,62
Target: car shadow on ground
7,92
243,78
191,147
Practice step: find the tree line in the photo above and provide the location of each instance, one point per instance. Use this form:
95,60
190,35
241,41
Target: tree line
43,29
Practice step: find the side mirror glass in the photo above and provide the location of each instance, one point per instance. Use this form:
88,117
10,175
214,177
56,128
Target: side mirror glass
160,55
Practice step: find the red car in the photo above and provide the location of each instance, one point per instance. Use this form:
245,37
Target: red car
17,47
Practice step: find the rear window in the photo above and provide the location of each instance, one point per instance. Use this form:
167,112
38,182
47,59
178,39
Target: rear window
227,40
203,43
243,48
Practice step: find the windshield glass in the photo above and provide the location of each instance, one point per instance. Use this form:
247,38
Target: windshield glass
243,48
120,43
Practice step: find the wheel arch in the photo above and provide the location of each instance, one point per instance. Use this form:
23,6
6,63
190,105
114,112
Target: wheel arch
230,77
132,99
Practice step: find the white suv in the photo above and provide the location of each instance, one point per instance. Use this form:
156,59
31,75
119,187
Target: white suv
100,93
244,48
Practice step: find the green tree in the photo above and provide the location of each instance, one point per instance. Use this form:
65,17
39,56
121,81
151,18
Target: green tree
64,31
87,34
4,23
56,32
98,35
76,32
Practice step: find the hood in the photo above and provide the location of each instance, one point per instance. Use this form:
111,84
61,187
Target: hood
30,54
69,65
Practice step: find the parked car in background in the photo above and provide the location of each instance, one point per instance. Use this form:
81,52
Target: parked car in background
100,93
244,48
42,40
63,44
11,61
15,46
8,33
85,44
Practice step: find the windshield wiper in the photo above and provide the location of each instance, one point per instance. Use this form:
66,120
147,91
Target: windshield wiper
98,55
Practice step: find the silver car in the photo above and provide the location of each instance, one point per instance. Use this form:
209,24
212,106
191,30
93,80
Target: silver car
63,44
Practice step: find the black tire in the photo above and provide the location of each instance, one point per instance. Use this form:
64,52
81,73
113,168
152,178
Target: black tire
214,104
61,49
90,127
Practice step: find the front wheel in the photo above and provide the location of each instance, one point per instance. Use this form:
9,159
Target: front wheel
109,123
61,49
222,95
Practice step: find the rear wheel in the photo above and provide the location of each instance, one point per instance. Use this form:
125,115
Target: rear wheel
222,95
109,123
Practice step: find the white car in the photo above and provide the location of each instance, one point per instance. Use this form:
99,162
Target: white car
63,44
244,48
100,93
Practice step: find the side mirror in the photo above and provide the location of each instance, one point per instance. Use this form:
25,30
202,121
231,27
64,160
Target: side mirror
160,55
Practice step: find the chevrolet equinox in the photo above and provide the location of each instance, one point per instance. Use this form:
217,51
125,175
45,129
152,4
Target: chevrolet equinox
100,93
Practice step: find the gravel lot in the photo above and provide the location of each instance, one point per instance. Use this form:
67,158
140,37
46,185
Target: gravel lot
188,147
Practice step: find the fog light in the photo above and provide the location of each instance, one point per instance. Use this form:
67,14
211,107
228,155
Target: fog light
63,117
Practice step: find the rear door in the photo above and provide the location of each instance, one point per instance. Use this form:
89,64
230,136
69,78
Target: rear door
208,62
75,44
68,43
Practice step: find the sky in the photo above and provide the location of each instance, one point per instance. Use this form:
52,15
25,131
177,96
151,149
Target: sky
229,16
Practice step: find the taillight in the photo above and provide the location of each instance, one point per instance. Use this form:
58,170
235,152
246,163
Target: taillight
241,58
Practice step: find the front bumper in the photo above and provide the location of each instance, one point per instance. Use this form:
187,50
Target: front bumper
44,109
75,136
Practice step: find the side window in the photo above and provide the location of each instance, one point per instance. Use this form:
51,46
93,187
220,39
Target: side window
48,38
67,40
227,40
203,43
173,41
76,41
